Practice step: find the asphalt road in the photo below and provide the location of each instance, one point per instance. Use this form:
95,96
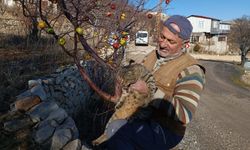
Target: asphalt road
222,121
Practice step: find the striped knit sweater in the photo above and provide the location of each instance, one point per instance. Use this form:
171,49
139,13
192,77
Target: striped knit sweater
189,84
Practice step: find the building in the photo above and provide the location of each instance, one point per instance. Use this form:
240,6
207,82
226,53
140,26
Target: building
209,32
8,3
45,3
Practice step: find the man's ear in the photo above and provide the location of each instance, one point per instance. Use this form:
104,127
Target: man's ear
186,44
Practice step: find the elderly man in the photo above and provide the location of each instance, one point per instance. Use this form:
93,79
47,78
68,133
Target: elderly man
179,80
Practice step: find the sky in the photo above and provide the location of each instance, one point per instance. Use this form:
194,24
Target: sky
220,9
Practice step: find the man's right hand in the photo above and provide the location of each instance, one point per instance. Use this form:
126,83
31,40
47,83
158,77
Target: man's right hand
140,86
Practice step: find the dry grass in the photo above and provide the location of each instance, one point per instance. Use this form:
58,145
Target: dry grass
237,78
22,60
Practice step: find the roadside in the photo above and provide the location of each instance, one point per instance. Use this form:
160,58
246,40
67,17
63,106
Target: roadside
224,58
139,52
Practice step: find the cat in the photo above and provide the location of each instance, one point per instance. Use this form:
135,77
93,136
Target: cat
130,100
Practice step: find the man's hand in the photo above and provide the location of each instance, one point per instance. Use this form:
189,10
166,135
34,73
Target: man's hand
140,86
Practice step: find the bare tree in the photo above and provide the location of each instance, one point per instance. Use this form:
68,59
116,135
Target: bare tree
2,7
94,28
240,35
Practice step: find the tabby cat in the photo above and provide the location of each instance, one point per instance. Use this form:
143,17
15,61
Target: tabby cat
130,100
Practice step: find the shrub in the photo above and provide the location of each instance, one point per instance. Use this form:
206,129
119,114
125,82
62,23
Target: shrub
197,48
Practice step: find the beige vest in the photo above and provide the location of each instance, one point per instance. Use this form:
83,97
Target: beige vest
166,77
167,74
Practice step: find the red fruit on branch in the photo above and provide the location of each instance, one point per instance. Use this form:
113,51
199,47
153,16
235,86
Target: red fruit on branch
116,45
167,1
108,14
113,6
150,16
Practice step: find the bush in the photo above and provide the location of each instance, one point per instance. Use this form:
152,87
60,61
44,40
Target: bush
197,48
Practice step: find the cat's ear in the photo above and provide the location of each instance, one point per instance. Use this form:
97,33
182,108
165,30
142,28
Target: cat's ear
131,61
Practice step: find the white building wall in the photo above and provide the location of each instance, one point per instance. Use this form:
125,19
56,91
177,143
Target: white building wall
224,27
200,24
9,2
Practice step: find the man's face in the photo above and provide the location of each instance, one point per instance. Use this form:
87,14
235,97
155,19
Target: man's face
169,43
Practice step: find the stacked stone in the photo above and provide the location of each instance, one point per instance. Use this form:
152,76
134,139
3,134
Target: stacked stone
47,108
11,24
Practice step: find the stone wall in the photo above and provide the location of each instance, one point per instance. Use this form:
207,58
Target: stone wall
59,110
12,24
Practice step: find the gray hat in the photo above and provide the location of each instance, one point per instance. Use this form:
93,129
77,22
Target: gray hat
183,23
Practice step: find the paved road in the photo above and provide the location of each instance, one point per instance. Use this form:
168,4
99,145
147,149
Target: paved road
222,120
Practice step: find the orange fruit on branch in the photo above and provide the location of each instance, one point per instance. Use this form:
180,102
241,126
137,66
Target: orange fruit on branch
41,24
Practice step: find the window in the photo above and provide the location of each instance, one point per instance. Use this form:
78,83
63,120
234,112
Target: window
215,24
194,39
143,35
201,24
222,38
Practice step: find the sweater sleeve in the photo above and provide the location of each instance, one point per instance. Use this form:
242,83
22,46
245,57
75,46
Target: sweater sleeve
186,96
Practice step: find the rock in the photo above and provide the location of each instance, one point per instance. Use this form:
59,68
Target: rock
246,78
32,83
26,103
60,138
17,124
44,133
73,145
42,111
85,148
51,104
24,94
69,123
49,81
59,115
39,91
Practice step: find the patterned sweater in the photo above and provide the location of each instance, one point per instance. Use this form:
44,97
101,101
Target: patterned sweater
184,102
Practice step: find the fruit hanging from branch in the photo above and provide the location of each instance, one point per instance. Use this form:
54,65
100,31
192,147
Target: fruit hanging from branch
124,33
87,56
79,30
123,16
123,42
50,31
115,37
62,41
108,14
95,34
110,61
150,16
41,25
113,6
116,45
